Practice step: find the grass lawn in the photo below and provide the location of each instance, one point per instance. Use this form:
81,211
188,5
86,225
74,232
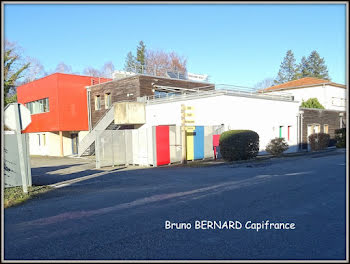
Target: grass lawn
14,195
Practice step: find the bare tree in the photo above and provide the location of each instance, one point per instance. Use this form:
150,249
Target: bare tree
90,71
63,68
159,62
267,82
107,69
14,70
35,70
178,63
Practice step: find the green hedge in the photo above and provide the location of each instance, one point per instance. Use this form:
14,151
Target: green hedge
319,141
340,137
239,145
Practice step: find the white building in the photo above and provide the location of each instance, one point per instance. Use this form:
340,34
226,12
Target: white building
233,110
198,77
121,74
331,95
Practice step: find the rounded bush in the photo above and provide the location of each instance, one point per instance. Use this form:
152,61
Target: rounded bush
239,145
277,146
319,141
340,137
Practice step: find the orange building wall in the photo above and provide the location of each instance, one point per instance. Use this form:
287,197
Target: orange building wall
40,89
67,102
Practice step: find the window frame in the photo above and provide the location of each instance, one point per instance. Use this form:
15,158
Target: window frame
97,102
38,106
324,130
108,100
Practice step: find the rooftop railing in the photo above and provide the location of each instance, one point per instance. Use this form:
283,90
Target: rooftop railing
157,71
230,90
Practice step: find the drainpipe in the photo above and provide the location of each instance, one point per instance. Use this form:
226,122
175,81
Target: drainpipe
89,106
61,143
301,112
298,132
341,120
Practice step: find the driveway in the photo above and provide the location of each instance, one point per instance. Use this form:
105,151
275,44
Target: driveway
122,214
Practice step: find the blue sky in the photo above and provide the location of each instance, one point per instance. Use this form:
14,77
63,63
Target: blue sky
234,44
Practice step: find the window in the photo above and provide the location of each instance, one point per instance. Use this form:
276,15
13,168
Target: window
44,139
97,102
108,100
337,101
39,106
39,139
316,128
325,129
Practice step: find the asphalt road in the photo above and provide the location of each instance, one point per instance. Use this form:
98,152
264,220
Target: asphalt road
122,214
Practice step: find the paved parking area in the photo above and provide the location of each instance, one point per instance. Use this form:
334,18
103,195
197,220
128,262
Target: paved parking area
121,215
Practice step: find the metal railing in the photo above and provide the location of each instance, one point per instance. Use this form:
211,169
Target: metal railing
102,124
198,94
157,72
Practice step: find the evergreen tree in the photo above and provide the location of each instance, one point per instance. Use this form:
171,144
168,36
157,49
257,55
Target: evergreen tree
316,67
130,62
303,69
141,56
287,70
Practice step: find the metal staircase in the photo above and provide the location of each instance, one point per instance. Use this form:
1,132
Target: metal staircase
86,146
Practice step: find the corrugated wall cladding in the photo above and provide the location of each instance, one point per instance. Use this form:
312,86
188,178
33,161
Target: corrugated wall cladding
163,145
159,145
208,142
198,143
190,145
175,143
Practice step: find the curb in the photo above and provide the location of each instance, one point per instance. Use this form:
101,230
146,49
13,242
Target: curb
331,151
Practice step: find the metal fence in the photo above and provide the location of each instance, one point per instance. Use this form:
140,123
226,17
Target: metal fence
139,146
124,147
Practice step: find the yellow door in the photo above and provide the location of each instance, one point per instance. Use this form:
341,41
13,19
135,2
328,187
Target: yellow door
190,146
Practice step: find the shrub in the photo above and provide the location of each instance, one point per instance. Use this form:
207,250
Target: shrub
340,137
239,145
312,103
277,146
319,141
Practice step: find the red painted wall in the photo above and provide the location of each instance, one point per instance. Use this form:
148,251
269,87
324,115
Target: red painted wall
162,145
67,102
40,89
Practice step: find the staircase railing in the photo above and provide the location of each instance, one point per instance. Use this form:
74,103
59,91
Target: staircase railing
102,124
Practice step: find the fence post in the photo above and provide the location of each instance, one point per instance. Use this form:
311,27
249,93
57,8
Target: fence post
97,151
112,146
20,148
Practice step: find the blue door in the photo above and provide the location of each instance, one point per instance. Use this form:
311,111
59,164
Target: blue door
198,142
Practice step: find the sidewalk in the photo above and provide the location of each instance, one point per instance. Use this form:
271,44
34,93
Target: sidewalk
260,158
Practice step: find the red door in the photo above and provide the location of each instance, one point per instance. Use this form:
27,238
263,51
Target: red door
163,145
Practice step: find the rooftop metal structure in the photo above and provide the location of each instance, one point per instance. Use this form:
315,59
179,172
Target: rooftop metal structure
169,94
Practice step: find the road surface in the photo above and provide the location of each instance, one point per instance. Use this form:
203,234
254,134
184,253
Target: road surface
122,214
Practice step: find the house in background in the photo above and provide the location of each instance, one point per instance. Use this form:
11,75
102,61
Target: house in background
331,95
59,112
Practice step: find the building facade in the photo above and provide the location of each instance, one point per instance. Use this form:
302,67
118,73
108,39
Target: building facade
102,96
59,112
331,95
320,121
